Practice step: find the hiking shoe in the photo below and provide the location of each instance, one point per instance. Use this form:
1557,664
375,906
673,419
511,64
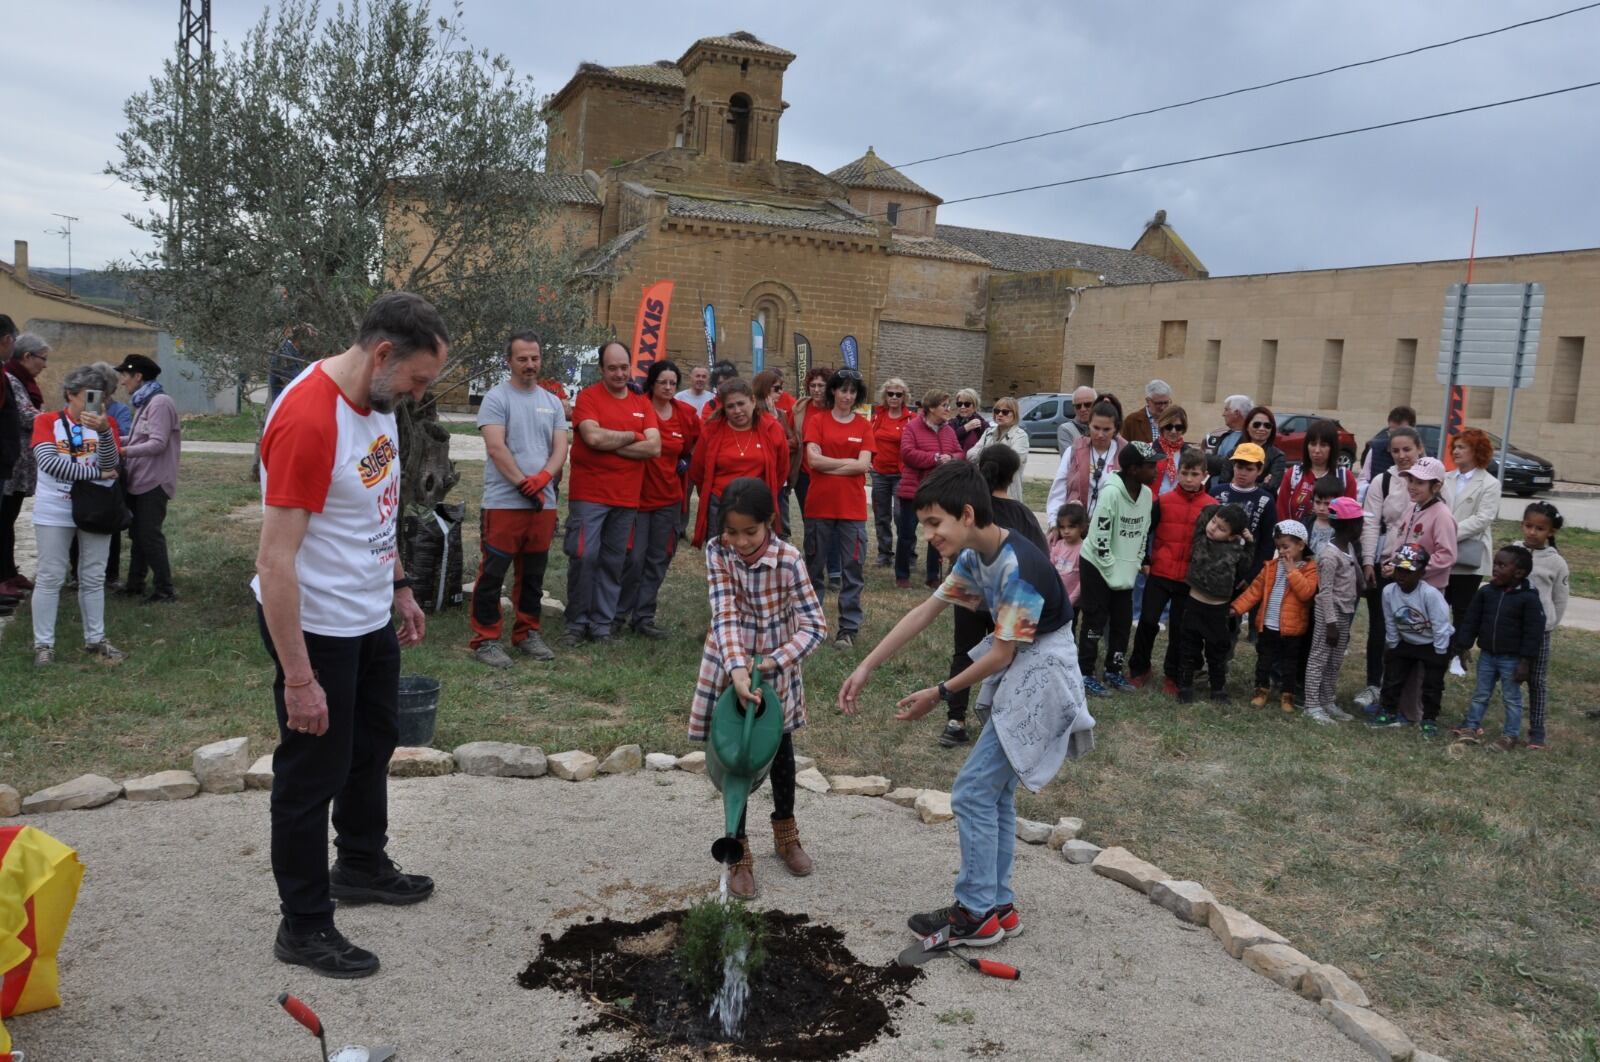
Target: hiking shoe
168,598
1385,721
534,646
490,654
1430,728
570,640
1186,696
1317,715
1286,702
1169,687
325,952
1367,698
1140,681
1503,743
1115,680
105,653
1093,688
1010,919
602,639
647,629
1220,697
1259,699
384,885
1467,730
131,590
43,655
846,640
960,927
902,584
1338,714
955,733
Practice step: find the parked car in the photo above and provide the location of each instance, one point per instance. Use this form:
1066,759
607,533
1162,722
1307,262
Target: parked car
1292,437
1526,473
1041,414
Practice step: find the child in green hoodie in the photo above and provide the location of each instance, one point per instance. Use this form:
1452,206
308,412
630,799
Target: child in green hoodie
1110,562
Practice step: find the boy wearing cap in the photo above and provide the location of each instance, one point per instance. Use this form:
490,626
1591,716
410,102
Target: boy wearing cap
150,467
1339,587
1417,632
1283,591
1429,523
1244,489
1110,561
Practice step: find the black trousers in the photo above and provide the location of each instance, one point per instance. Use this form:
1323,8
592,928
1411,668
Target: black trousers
1375,633
1204,635
970,628
348,767
782,779
149,544
1107,615
1281,661
10,508
905,550
1158,594
1399,662
1459,592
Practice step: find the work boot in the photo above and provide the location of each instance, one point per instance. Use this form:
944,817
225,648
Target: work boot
533,646
786,839
491,654
1286,702
742,875
1259,700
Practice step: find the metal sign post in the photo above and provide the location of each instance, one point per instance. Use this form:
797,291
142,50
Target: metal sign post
1489,337
1515,378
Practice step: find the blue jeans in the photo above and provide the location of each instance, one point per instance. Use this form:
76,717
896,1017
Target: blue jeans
1504,669
986,821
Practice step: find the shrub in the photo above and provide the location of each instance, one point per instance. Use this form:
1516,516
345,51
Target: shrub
711,931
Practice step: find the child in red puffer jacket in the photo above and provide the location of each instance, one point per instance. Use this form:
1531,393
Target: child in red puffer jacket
1167,569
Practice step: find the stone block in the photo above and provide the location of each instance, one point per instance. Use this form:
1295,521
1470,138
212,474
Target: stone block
1238,931
10,802
904,796
1066,829
420,762
660,761
1031,832
1189,900
864,785
933,806
259,776
1278,963
694,763
573,766
1322,981
221,765
804,763
811,779
624,759
1375,1034
1119,864
84,791
165,785
1080,852
501,759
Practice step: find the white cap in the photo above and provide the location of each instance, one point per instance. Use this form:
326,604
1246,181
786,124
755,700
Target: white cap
1293,528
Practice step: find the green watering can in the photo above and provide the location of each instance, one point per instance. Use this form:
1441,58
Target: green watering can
739,753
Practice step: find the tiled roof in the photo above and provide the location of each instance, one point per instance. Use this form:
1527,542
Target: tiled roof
749,213
1024,254
600,261
565,188
869,171
747,41
928,247
664,73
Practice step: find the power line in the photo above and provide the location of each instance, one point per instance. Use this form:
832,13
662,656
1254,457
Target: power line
1252,88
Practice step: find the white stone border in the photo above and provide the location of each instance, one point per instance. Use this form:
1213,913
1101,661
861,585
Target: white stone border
225,767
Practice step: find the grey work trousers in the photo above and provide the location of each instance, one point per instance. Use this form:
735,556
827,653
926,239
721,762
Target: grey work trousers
846,542
883,506
655,540
596,545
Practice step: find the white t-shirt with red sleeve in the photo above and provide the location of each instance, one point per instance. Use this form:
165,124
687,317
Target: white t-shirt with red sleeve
340,463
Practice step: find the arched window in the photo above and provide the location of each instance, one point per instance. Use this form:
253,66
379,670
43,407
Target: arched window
739,119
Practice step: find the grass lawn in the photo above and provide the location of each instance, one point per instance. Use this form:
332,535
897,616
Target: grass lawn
224,427
1462,889
1580,547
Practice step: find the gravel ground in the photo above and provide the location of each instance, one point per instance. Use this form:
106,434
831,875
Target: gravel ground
169,953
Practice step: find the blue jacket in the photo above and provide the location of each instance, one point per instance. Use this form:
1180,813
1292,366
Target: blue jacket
1503,622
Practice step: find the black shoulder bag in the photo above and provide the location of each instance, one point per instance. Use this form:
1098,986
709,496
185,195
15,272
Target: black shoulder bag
100,509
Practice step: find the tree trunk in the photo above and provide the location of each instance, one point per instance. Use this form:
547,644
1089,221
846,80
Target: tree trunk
427,473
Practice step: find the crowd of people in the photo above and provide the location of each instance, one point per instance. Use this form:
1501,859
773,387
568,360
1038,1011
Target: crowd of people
95,468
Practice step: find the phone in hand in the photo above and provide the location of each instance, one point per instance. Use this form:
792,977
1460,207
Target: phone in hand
94,401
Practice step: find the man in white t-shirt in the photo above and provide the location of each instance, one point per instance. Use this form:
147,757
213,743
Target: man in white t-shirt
698,393
328,578
525,436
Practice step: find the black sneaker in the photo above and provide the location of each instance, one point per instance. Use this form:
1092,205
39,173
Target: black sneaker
1219,697
955,733
959,927
325,952
383,885
649,630
1387,721
1186,695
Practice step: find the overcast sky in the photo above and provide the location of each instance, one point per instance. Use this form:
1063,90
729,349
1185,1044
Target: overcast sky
915,80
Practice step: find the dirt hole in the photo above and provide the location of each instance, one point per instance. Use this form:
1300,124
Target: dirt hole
812,999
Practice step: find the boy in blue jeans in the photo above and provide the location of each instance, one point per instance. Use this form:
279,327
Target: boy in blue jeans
1030,691
1506,619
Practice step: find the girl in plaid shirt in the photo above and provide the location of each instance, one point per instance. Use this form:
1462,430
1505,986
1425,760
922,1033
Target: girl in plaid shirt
762,604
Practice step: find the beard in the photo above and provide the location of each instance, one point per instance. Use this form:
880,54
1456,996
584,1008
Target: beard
381,395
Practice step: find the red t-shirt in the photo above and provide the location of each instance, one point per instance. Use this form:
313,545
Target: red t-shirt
785,403
837,497
606,477
886,432
662,486
742,453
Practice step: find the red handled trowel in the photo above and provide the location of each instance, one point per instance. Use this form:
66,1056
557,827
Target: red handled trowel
349,1053
936,944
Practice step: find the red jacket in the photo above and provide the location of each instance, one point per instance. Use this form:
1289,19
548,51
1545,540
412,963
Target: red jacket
703,468
1294,493
1172,537
920,446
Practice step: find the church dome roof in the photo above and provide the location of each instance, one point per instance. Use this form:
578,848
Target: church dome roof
869,171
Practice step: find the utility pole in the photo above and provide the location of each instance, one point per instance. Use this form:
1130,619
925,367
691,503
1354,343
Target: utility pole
66,230
194,54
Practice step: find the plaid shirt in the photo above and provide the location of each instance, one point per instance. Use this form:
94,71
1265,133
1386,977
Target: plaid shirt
764,609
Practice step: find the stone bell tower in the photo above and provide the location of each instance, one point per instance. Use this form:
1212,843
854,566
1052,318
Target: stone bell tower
733,97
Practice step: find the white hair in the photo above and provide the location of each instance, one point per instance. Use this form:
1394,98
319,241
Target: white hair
1238,403
1157,387
1092,392
969,395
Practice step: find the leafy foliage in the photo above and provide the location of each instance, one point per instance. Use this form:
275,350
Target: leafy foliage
713,930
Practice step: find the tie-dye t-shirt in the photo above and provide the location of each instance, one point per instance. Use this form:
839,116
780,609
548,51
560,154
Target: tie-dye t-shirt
1019,587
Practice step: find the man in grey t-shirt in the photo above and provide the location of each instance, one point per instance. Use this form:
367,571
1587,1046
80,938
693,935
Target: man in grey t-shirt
699,392
525,435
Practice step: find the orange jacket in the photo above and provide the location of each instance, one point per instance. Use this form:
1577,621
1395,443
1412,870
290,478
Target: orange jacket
1295,615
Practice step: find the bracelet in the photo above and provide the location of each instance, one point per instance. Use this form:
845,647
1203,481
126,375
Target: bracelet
403,583
944,693
299,685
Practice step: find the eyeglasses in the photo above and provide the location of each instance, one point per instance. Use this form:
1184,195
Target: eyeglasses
894,394
1261,423
1083,405
1179,428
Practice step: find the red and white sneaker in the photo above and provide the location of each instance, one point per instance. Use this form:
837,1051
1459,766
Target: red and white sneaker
1010,919
957,927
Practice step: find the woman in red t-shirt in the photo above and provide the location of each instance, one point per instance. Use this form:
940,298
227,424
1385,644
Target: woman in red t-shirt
739,439
888,423
661,502
838,451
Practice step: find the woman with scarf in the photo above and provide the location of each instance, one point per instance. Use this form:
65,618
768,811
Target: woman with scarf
1170,445
740,439
29,355
150,463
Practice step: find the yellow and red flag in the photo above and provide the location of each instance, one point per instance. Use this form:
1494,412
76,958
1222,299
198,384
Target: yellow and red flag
39,878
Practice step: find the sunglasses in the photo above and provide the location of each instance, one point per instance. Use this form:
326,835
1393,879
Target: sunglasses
1005,412
1083,405
1179,428
964,405
894,394
1261,423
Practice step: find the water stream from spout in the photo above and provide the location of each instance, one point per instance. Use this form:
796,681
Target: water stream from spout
728,1005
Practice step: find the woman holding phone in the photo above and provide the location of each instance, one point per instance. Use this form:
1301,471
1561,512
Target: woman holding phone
78,444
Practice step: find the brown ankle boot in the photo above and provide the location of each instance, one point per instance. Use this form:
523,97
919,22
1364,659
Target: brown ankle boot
742,875
786,838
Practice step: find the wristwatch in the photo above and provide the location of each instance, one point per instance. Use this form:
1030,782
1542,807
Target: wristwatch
944,693
403,583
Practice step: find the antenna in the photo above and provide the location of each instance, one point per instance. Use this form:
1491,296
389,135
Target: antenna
66,230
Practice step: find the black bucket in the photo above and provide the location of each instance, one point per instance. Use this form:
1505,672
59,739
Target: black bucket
419,709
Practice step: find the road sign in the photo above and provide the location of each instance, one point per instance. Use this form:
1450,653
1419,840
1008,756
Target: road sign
1488,332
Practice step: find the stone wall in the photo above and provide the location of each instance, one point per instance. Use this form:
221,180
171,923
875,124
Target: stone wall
926,356
604,122
1027,329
